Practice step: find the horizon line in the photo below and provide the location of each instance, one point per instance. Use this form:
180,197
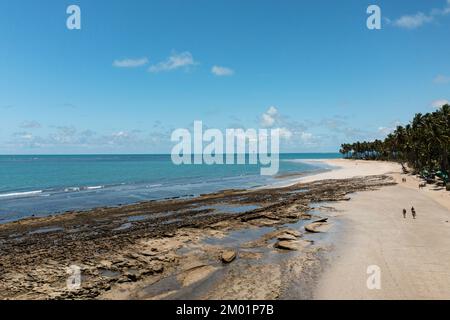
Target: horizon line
138,154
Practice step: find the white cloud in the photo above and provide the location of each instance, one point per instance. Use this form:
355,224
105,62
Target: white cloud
441,79
306,137
30,125
385,130
413,21
130,63
222,71
439,103
175,61
293,133
69,136
285,133
23,135
272,111
419,19
120,134
269,118
64,134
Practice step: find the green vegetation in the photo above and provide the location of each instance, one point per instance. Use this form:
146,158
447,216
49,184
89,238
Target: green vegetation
424,145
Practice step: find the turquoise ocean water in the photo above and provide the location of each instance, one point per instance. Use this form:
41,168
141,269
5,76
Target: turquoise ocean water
44,184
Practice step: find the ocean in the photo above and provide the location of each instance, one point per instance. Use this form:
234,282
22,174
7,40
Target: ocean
42,185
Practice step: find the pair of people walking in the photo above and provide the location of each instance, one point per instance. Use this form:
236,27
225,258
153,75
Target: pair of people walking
413,212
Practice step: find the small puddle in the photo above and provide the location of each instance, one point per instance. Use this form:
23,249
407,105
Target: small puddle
124,226
46,230
229,208
148,216
167,284
109,273
298,191
239,237
171,285
172,221
14,235
139,218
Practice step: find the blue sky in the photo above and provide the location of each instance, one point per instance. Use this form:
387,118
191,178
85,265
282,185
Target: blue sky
139,69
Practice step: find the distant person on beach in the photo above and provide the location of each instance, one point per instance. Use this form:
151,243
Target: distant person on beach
413,211
404,213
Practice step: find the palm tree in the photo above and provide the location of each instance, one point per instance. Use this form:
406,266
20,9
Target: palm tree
424,144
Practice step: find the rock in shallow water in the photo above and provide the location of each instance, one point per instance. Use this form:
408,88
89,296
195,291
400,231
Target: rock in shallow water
286,237
293,232
318,226
291,245
228,256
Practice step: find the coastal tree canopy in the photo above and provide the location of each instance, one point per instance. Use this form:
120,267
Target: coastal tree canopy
424,144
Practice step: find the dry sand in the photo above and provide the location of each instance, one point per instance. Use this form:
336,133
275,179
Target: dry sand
413,255
344,169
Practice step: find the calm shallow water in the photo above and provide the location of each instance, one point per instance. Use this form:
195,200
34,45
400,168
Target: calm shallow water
43,185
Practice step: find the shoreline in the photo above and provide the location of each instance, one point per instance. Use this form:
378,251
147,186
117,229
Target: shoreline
131,251
175,249
279,180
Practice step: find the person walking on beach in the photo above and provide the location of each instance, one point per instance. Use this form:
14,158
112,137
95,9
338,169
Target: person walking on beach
404,213
413,211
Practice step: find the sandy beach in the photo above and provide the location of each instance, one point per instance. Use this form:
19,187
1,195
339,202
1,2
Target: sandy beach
312,239
413,255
